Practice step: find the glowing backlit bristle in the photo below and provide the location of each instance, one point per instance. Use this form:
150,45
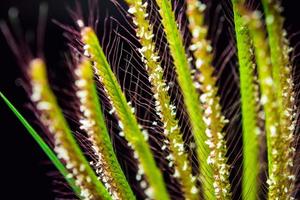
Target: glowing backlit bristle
65,144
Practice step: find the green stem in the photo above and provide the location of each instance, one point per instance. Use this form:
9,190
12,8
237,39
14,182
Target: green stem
131,130
164,108
190,94
279,175
65,144
93,122
283,82
249,97
210,100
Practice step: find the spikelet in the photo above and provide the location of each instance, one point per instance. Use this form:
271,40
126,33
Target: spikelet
65,145
164,108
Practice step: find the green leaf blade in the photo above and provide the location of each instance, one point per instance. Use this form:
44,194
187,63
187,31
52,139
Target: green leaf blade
43,145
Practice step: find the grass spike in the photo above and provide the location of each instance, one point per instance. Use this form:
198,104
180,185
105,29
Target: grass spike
280,50
209,99
47,150
279,175
249,99
164,108
267,107
65,144
133,133
190,94
283,80
93,122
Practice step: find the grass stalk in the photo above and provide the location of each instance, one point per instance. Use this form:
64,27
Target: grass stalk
93,122
131,130
279,175
190,94
65,144
164,108
249,101
283,81
213,117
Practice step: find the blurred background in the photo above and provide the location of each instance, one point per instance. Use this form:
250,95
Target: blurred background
25,170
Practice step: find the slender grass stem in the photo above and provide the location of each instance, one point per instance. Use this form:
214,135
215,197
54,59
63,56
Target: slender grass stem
131,130
43,145
65,144
93,123
279,175
213,117
283,81
190,94
280,58
164,108
249,100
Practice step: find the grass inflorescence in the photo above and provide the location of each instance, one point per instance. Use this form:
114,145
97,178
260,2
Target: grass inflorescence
199,160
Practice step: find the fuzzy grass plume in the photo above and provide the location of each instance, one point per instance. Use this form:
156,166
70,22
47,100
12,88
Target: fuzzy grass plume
168,39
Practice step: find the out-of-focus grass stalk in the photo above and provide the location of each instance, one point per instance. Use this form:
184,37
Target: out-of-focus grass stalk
206,82
283,81
279,173
136,137
249,101
43,145
190,94
165,110
93,122
65,144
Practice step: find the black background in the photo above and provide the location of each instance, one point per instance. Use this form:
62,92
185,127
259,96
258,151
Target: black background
24,167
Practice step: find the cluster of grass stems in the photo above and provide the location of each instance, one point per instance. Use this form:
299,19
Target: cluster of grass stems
266,97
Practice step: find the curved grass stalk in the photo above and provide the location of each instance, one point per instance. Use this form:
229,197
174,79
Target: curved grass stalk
283,81
65,144
136,137
213,117
164,108
93,123
280,59
249,96
43,145
279,174
190,94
